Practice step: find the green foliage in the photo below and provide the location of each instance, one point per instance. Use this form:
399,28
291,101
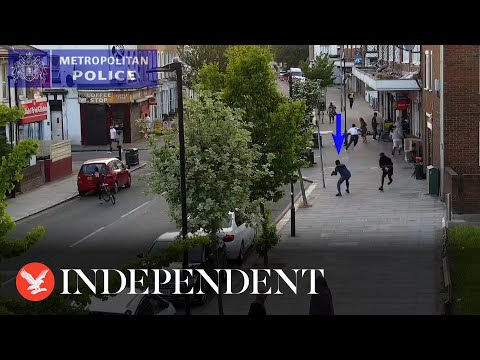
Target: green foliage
321,70
210,78
196,56
219,165
464,259
10,171
252,87
268,238
9,115
55,304
290,54
309,91
5,148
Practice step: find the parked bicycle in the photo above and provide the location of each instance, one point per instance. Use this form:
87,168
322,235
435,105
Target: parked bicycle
107,194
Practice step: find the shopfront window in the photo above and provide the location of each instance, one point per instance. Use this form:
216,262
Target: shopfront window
4,80
118,115
30,131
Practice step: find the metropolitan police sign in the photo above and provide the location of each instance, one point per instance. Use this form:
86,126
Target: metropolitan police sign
83,69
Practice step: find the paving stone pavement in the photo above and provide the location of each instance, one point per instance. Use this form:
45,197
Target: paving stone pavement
380,250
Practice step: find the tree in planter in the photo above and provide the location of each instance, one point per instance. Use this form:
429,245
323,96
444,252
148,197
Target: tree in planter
309,91
321,70
275,120
219,167
196,56
267,240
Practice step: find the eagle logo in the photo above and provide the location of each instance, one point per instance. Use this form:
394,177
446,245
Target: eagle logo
35,281
35,284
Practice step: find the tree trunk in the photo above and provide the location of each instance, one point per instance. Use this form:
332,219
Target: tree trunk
219,281
265,260
219,297
302,187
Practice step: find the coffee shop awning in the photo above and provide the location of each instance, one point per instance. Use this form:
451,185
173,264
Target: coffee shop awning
143,99
405,82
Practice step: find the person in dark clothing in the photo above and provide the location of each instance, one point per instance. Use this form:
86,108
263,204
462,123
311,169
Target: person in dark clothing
386,165
321,303
99,180
257,308
374,125
344,176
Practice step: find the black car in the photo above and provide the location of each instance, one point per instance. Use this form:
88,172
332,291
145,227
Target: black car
201,257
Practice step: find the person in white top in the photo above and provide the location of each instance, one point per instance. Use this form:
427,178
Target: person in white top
353,132
148,120
113,136
397,137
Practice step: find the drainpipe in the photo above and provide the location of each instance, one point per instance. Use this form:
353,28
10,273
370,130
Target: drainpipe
442,129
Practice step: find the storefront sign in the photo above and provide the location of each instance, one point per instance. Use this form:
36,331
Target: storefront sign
402,104
34,111
104,97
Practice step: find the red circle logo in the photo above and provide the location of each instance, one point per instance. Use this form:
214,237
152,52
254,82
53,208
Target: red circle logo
35,281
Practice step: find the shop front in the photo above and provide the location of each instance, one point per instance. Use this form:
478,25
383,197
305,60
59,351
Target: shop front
31,126
120,108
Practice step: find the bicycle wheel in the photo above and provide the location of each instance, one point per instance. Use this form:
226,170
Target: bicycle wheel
106,195
112,196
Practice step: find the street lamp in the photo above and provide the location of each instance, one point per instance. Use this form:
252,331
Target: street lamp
176,66
292,190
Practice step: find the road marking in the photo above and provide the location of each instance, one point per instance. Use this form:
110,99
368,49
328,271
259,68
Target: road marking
120,218
86,237
9,280
138,207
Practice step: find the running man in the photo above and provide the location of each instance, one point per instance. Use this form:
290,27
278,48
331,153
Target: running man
386,165
344,176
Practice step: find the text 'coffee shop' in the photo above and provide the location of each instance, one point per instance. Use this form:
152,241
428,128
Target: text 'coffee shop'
120,108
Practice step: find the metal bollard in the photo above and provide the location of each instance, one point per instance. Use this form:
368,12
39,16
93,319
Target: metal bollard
119,157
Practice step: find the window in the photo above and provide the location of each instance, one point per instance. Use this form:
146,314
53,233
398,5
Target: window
4,81
406,57
431,71
416,55
398,53
239,220
30,131
89,169
427,77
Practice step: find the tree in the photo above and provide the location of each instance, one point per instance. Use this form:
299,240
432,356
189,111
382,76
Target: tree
196,56
290,54
321,70
276,121
210,78
11,167
219,167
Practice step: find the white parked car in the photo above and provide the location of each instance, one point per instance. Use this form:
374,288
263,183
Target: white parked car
237,236
297,74
126,304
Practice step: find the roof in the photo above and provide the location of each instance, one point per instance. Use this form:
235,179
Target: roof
118,304
5,50
101,161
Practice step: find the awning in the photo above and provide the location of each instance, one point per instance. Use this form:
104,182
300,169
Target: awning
386,84
143,99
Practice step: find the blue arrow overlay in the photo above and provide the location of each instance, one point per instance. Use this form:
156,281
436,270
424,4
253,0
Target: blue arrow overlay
338,138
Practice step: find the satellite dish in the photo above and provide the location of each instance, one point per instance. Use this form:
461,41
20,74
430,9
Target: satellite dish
408,47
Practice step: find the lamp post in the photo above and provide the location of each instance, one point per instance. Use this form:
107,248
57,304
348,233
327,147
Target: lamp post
176,66
292,189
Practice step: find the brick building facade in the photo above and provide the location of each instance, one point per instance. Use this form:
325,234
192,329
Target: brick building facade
451,104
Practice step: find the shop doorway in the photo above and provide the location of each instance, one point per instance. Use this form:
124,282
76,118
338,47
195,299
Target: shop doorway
95,120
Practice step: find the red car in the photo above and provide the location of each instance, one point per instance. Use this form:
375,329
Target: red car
117,174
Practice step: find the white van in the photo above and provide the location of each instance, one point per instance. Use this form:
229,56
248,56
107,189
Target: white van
297,74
